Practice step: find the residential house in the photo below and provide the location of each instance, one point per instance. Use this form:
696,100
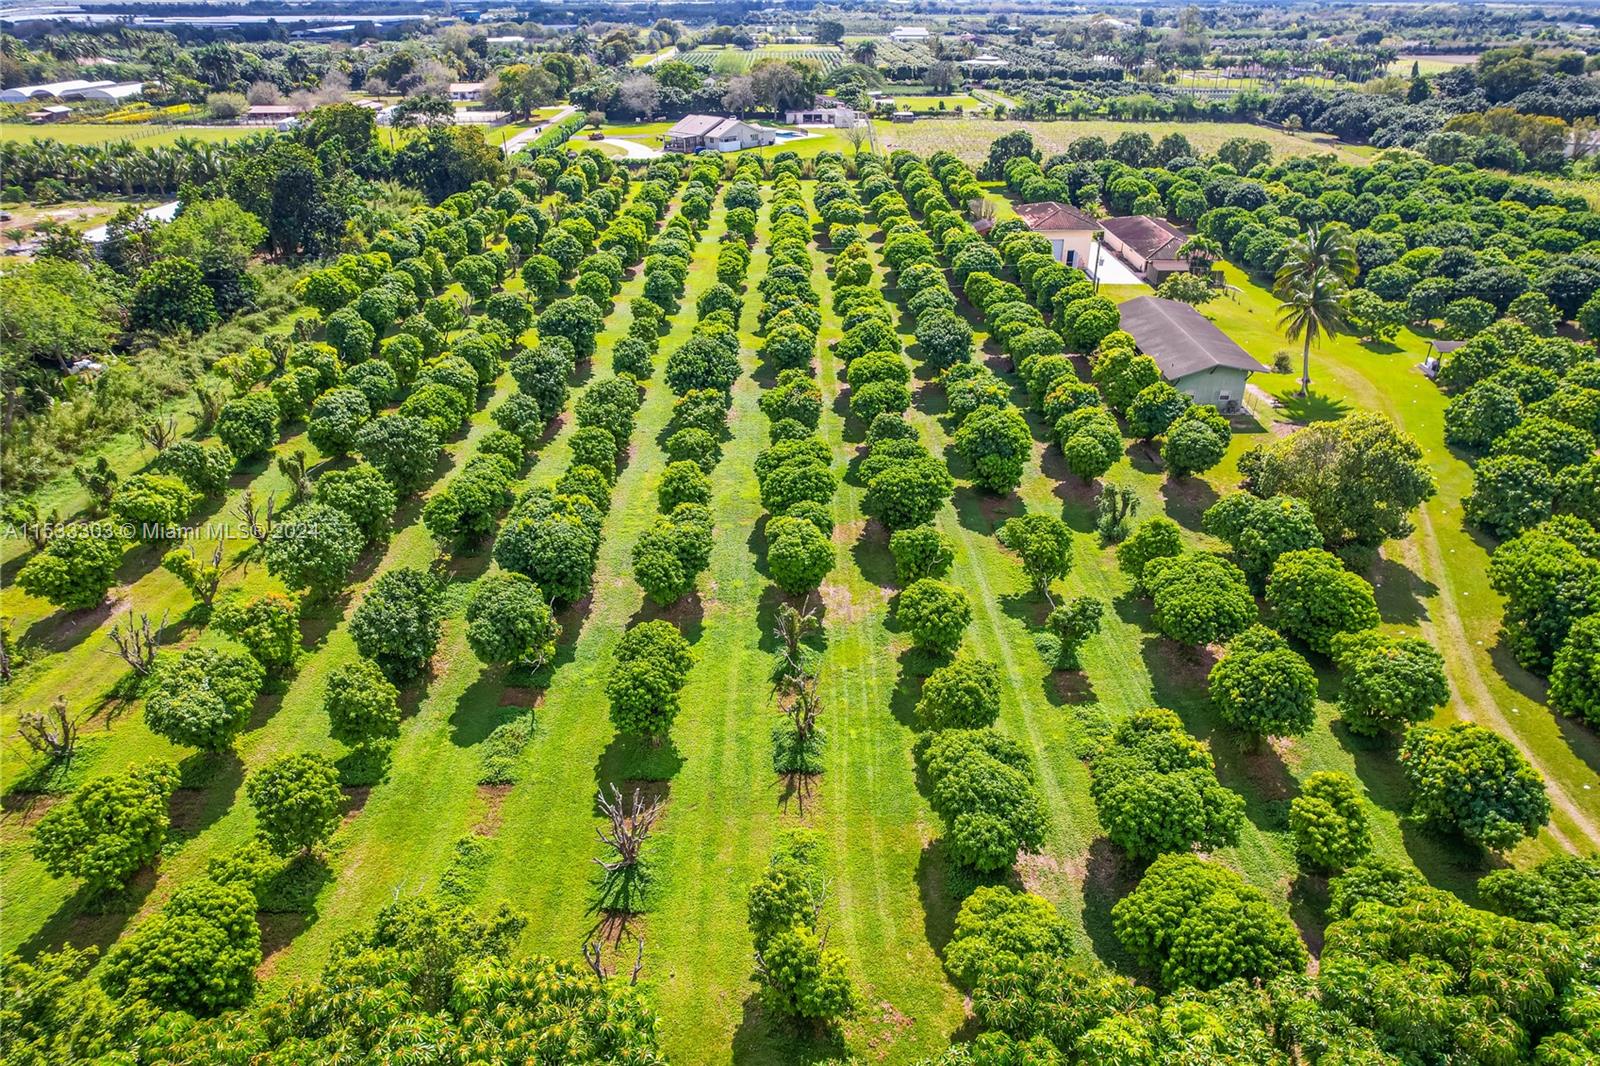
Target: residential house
1148,245
52,113
1071,233
909,33
1199,359
833,114
466,90
716,133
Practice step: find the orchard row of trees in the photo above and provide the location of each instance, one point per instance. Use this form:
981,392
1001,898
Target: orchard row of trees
199,952
1526,407
1397,978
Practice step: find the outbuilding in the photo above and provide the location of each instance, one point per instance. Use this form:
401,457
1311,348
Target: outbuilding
1199,359
1149,245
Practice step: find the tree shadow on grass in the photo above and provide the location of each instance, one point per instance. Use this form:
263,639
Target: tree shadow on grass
477,709
872,555
1143,457
1308,909
193,810
1315,407
630,760
1077,496
1400,592
942,886
687,614
984,512
763,1038
64,630
86,920
907,692
1108,876
1187,499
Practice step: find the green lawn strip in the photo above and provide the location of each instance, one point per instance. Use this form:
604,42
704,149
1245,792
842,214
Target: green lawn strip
552,809
722,809
1436,581
893,909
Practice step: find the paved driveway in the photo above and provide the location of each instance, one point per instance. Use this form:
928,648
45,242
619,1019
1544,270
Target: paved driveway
1113,271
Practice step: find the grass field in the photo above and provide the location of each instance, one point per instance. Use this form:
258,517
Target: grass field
145,136
891,893
969,138
931,103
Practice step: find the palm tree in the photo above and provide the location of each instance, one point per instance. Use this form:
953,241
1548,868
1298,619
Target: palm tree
1320,248
1310,306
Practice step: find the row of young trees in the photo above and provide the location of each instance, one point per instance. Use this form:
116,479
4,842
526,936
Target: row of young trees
980,781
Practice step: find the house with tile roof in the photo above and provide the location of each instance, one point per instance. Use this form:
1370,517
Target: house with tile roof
1071,233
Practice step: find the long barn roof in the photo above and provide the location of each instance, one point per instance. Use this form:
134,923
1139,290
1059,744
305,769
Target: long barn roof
1180,339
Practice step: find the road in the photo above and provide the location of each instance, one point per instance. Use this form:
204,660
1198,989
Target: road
514,144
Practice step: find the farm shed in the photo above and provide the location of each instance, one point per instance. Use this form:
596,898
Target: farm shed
1197,357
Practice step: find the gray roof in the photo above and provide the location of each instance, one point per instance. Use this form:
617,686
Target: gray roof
695,125
1180,339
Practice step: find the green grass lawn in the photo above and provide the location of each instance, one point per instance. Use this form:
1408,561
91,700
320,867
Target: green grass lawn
148,135
931,103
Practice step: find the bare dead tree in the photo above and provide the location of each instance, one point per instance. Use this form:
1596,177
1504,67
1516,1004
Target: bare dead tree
137,641
631,823
203,579
804,707
294,467
210,398
52,733
160,434
792,627
257,519
591,955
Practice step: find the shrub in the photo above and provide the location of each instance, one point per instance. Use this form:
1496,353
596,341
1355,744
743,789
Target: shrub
1575,677
152,503
920,552
204,468
935,614
1044,543
336,418
314,548
962,694
1387,682
108,829
268,626
652,663
1260,530
397,624
1262,687
198,954
1199,598
296,799
1314,597
799,555
76,568
683,482
248,426
363,495
202,697
1475,782
1199,924
998,444
1328,822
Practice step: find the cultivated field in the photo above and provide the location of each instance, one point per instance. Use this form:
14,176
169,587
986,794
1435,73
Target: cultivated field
144,135
970,137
